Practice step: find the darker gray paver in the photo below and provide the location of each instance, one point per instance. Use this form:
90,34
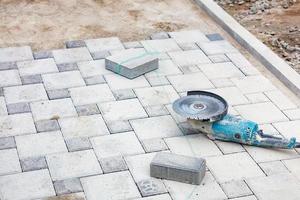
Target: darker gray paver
100,55
178,168
42,54
67,67
91,109
47,125
124,94
154,145
1,92
154,111
67,186
151,187
189,69
18,108
75,44
93,80
58,94
8,65
187,128
118,126
7,143
113,164
214,37
31,79
78,144
159,35
34,163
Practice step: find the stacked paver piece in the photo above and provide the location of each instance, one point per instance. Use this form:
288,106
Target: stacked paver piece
71,129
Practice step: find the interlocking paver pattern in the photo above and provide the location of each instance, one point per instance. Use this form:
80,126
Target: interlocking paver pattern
70,129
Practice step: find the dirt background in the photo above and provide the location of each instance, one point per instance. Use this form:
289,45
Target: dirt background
47,24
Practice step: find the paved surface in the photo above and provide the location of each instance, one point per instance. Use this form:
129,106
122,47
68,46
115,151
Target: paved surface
69,129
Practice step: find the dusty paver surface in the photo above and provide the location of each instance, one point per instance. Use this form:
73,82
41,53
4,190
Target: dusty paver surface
74,130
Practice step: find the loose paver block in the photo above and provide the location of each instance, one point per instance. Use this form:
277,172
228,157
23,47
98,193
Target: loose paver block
9,78
132,63
13,54
280,100
91,94
232,95
113,164
27,185
253,84
114,111
178,168
84,126
3,108
113,186
188,36
187,58
220,70
104,44
275,187
54,109
63,80
116,144
186,82
75,164
93,68
117,82
9,162
18,124
68,186
73,55
261,113
196,145
235,189
160,46
216,47
33,163
41,144
156,95
155,127
235,166
33,67
25,93
166,67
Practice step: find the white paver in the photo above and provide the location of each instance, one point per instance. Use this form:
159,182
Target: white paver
257,97
9,162
186,82
274,167
117,144
289,129
216,47
9,78
293,114
190,36
117,82
220,70
104,44
63,80
242,63
261,113
166,67
93,68
41,144
157,197
72,55
160,46
53,109
187,58
155,127
25,93
12,54
208,190
113,186
229,147
236,189
75,164
91,94
84,126
232,95
27,185
280,100
41,66
193,145
3,109
293,166
122,110
253,84
222,82
276,187
156,95
18,124
175,116
235,166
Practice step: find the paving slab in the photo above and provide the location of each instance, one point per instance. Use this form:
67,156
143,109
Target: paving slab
33,67
157,197
68,186
93,68
216,47
160,46
27,185
62,56
188,36
3,108
74,164
232,95
273,167
63,80
9,162
113,164
13,54
288,129
280,100
33,163
117,82
83,126
124,94
195,57
253,84
104,44
166,67
220,70
7,143
9,78
235,189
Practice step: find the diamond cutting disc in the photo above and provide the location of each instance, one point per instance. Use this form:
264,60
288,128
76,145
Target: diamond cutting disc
201,105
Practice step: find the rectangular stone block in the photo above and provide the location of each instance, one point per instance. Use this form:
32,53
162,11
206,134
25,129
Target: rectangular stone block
178,168
31,79
11,54
75,44
7,143
47,125
104,44
71,55
58,94
42,54
67,67
8,65
18,108
33,67
132,63
63,80
33,163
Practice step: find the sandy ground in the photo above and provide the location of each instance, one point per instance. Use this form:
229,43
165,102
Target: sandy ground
46,24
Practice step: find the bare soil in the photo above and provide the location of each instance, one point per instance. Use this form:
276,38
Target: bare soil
47,24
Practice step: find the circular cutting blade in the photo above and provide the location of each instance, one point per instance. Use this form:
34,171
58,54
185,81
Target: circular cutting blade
201,105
